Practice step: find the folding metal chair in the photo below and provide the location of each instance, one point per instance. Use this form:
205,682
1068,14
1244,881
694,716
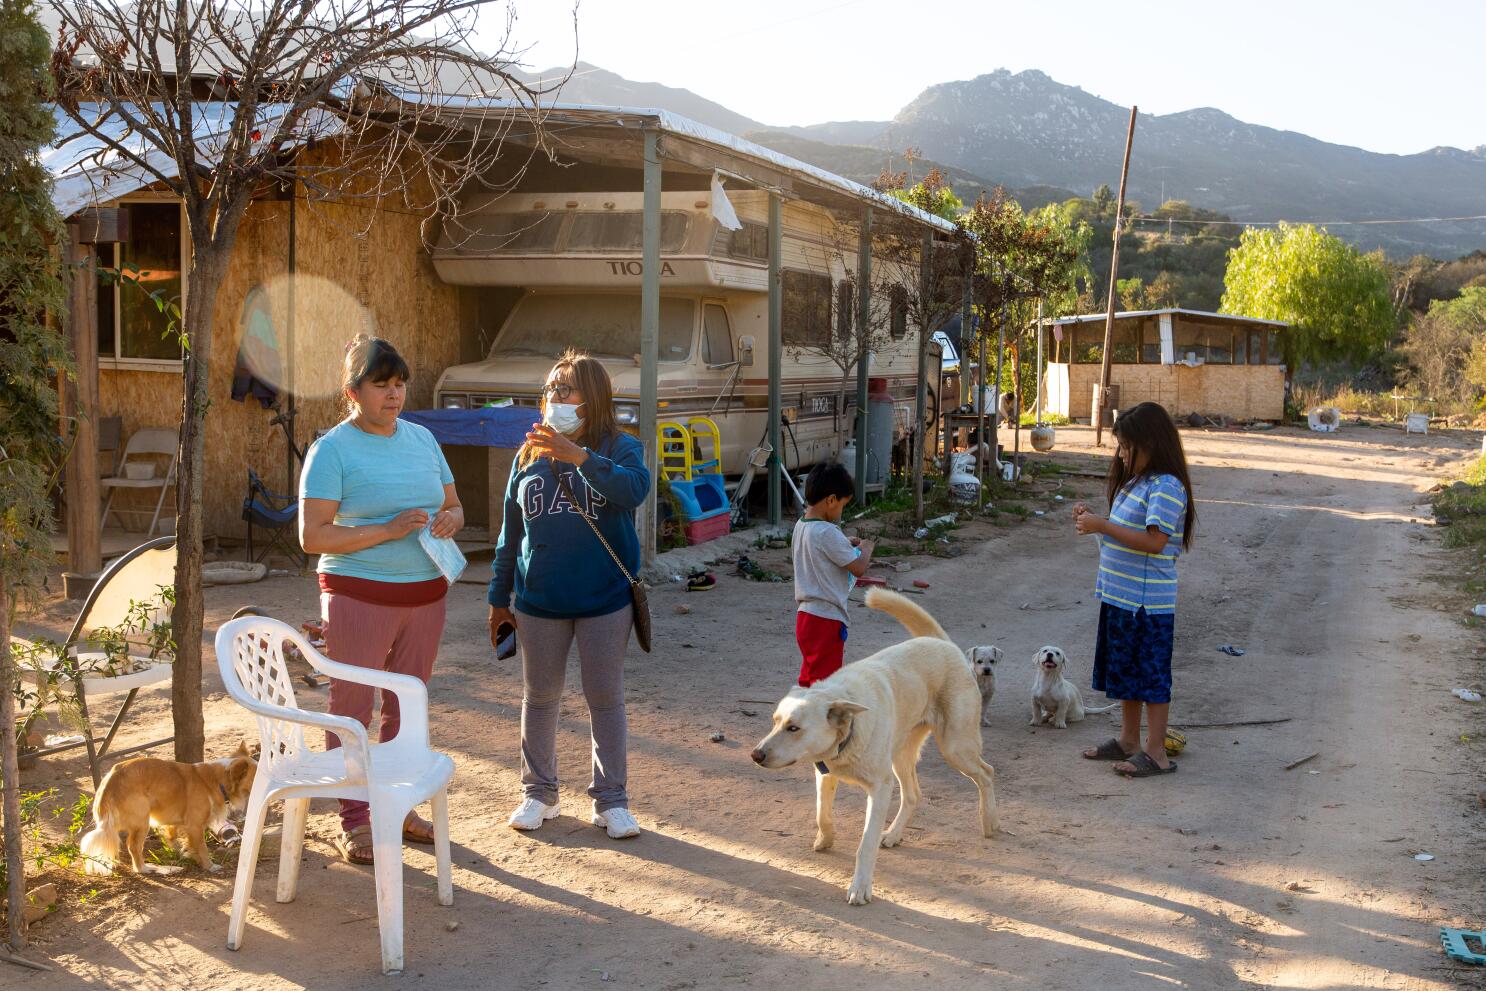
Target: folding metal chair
144,446
278,515
135,577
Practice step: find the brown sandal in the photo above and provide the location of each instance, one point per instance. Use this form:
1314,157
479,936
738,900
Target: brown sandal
1110,749
355,846
416,829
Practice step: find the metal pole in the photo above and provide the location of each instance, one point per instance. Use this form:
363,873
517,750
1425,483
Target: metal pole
1037,415
921,431
864,331
776,355
289,341
650,338
1000,360
980,409
1101,401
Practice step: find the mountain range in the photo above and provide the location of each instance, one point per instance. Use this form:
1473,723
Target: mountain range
1044,140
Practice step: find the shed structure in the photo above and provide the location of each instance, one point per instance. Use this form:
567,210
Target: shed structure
1189,361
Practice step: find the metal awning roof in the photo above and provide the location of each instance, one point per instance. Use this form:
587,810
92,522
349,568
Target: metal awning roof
1175,310
86,169
735,156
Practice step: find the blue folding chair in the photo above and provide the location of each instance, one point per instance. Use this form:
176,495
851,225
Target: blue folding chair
278,516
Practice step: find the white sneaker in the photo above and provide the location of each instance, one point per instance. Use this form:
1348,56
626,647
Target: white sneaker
617,822
530,814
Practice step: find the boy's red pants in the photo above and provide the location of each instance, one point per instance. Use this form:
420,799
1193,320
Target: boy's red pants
822,646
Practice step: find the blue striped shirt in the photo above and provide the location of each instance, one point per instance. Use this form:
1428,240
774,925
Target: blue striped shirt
1131,579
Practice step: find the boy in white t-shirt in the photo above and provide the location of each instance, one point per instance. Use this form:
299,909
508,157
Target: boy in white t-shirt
827,564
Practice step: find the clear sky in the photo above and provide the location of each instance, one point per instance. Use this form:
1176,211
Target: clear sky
1387,76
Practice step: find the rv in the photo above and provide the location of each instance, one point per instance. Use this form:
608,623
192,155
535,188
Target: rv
576,261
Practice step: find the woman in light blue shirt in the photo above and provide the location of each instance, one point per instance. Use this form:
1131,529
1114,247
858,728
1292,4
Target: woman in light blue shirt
368,487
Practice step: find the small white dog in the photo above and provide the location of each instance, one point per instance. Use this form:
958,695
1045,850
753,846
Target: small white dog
1055,699
983,661
866,724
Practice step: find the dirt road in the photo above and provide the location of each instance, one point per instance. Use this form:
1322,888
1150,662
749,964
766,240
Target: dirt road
1234,873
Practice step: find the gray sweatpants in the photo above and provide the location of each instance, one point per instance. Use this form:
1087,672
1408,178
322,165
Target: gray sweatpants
544,660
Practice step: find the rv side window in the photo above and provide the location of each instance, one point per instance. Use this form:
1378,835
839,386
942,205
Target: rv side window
845,304
717,336
807,309
898,312
750,241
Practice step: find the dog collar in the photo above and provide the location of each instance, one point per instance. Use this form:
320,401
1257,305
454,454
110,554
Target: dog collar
223,789
820,765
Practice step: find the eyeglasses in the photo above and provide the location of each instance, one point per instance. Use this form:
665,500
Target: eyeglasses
557,390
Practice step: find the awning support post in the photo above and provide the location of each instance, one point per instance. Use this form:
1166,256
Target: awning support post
864,332
650,340
776,356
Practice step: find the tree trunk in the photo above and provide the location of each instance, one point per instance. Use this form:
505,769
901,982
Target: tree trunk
10,784
208,266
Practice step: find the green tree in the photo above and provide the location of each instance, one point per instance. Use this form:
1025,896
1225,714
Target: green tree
932,195
32,355
1335,298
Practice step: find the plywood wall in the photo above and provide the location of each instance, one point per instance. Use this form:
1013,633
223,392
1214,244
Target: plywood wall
1244,392
359,267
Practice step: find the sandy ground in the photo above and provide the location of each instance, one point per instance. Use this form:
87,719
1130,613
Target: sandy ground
1313,554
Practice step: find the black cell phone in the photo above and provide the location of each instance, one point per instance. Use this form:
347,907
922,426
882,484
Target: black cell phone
505,641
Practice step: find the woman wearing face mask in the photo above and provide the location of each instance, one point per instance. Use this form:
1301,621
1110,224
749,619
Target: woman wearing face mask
368,486
566,586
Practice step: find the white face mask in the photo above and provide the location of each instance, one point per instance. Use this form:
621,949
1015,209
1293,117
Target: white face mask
563,417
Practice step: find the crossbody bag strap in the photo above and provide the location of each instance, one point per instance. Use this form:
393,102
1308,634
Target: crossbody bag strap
568,491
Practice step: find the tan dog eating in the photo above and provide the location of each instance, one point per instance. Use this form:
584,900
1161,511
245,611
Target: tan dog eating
182,800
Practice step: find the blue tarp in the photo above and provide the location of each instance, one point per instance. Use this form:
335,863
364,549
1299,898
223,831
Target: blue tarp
503,426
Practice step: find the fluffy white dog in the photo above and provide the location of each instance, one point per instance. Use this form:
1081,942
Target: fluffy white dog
983,661
1055,699
866,724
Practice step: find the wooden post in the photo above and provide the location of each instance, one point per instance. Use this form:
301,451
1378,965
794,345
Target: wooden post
80,419
650,338
777,463
1109,314
864,330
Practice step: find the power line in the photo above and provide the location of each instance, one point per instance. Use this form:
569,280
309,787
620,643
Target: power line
1317,223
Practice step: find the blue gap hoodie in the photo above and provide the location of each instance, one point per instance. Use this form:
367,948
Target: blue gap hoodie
547,553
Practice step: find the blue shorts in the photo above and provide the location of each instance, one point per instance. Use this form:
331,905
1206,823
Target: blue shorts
1132,659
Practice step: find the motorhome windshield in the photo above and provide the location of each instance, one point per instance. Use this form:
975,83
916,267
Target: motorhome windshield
606,324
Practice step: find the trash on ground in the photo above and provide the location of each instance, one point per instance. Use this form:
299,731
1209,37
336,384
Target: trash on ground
920,583
921,533
451,926
1231,650
1301,760
717,737
62,739
1480,610
1463,945
1466,694
947,519
902,566
1423,857
1301,886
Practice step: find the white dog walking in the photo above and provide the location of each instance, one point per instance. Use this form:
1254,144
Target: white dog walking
866,724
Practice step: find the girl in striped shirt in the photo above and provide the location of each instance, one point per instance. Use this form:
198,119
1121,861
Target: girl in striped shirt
1151,519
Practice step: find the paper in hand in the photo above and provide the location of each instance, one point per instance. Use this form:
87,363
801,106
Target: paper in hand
445,554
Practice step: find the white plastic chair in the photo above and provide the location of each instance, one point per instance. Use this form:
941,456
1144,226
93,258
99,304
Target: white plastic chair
393,777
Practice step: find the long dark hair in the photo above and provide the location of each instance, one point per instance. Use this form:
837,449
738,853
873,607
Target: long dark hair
1149,428
590,377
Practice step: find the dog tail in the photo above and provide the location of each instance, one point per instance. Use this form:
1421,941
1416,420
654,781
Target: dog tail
1100,708
100,845
913,617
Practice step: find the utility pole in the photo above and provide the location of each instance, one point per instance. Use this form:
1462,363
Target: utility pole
1101,393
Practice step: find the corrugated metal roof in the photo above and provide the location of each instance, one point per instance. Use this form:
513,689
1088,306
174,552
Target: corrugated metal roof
632,118
1203,314
86,169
